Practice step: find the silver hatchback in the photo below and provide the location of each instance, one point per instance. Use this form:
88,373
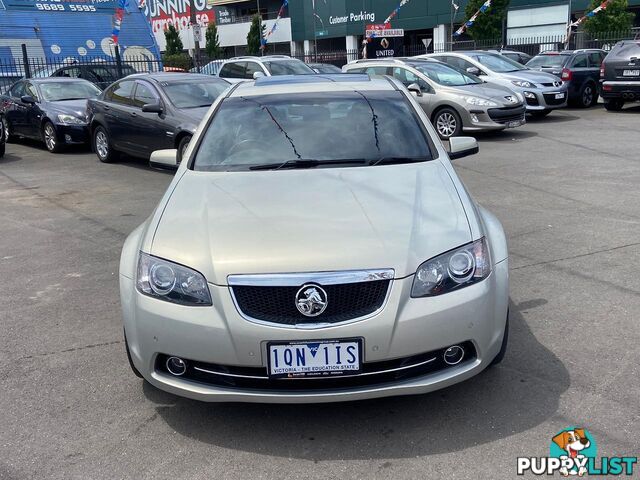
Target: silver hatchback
453,99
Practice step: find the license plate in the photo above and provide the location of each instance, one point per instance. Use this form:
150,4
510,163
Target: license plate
559,96
325,358
631,73
515,123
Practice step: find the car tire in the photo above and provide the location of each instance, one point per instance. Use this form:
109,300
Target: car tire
614,104
539,113
50,137
2,149
102,145
588,96
182,147
9,137
133,367
447,123
503,347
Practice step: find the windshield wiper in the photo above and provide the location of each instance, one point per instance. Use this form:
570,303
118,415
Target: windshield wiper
395,160
306,163
72,98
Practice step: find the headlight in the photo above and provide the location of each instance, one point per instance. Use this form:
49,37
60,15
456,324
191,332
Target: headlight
523,84
70,120
171,282
455,269
480,102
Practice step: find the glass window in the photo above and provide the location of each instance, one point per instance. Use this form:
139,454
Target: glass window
377,71
70,72
252,67
405,76
288,67
57,91
144,95
31,90
17,90
233,70
595,59
103,74
356,70
446,74
548,61
498,63
194,94
267,129
579,61
460,63
121,92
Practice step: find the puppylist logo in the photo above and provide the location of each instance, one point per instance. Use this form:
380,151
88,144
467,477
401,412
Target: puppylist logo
573,451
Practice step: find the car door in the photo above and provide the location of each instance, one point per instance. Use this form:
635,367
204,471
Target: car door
407,77
595,61
251,68
33,112
151,130
118,109
15,109
579,67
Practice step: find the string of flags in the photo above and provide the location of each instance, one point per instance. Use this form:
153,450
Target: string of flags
388,19
483,8
263,42
117,21
592,13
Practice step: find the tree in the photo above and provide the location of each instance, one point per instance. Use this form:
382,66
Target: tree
172,38
615,18
256,33
488,25
212,44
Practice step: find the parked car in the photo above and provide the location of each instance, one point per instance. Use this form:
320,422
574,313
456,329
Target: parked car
542,91
520,57
324,68
53,110
146,112
279,268
100,74
620,75
3,136
240,68
453,99
580,69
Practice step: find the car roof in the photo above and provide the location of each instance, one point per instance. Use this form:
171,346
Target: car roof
56,80
339,82
270,58
171,76
570,52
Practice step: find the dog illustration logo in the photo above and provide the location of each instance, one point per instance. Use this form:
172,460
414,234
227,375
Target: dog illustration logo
575,444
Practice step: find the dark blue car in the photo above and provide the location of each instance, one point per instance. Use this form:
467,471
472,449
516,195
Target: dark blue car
52,110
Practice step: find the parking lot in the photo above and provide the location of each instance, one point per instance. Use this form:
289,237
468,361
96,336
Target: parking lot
567,190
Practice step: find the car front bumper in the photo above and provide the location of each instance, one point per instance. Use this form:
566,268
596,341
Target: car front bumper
544,98
404,327
488,119
627,90
72,134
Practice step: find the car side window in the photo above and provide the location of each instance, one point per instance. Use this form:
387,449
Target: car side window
377,70
461,63
17,90
405,76
101,74
144,95
579,61
232,70
121,92
71,72
252,67
356,70
595,59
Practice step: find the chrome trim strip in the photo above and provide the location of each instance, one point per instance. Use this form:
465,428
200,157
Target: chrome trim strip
299,279
406,367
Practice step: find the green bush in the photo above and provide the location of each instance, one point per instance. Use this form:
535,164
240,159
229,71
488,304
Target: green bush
172,38
615,19
180,60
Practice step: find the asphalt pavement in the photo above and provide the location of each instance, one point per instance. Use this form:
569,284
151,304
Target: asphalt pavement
567,189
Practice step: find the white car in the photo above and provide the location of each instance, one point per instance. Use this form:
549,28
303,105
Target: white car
315,245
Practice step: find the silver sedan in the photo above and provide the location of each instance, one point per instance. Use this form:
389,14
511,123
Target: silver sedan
315,245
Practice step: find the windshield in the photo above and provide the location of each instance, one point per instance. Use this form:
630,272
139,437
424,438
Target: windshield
56,91
547,61
446,74
288,67
194,94
331,126
498,63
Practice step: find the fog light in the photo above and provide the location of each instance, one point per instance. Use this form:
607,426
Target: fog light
67,138
529,95
474,118
453,355
177,366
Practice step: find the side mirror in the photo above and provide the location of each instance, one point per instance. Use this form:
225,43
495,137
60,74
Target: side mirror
257,75
474,71
164,158
27,99
462,147
152,108
415,89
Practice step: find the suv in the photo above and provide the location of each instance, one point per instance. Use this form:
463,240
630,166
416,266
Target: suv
453,99
620,75
249,68
580,69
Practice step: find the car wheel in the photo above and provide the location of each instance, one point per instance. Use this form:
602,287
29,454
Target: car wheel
2,148
503,348
588,96
133,367
102,146
50,137
9,137
539,113
448,123
182,147
614,104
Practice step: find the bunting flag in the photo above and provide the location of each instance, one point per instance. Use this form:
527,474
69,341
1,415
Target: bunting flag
117,21
485,6
395,11
263,42
592,13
